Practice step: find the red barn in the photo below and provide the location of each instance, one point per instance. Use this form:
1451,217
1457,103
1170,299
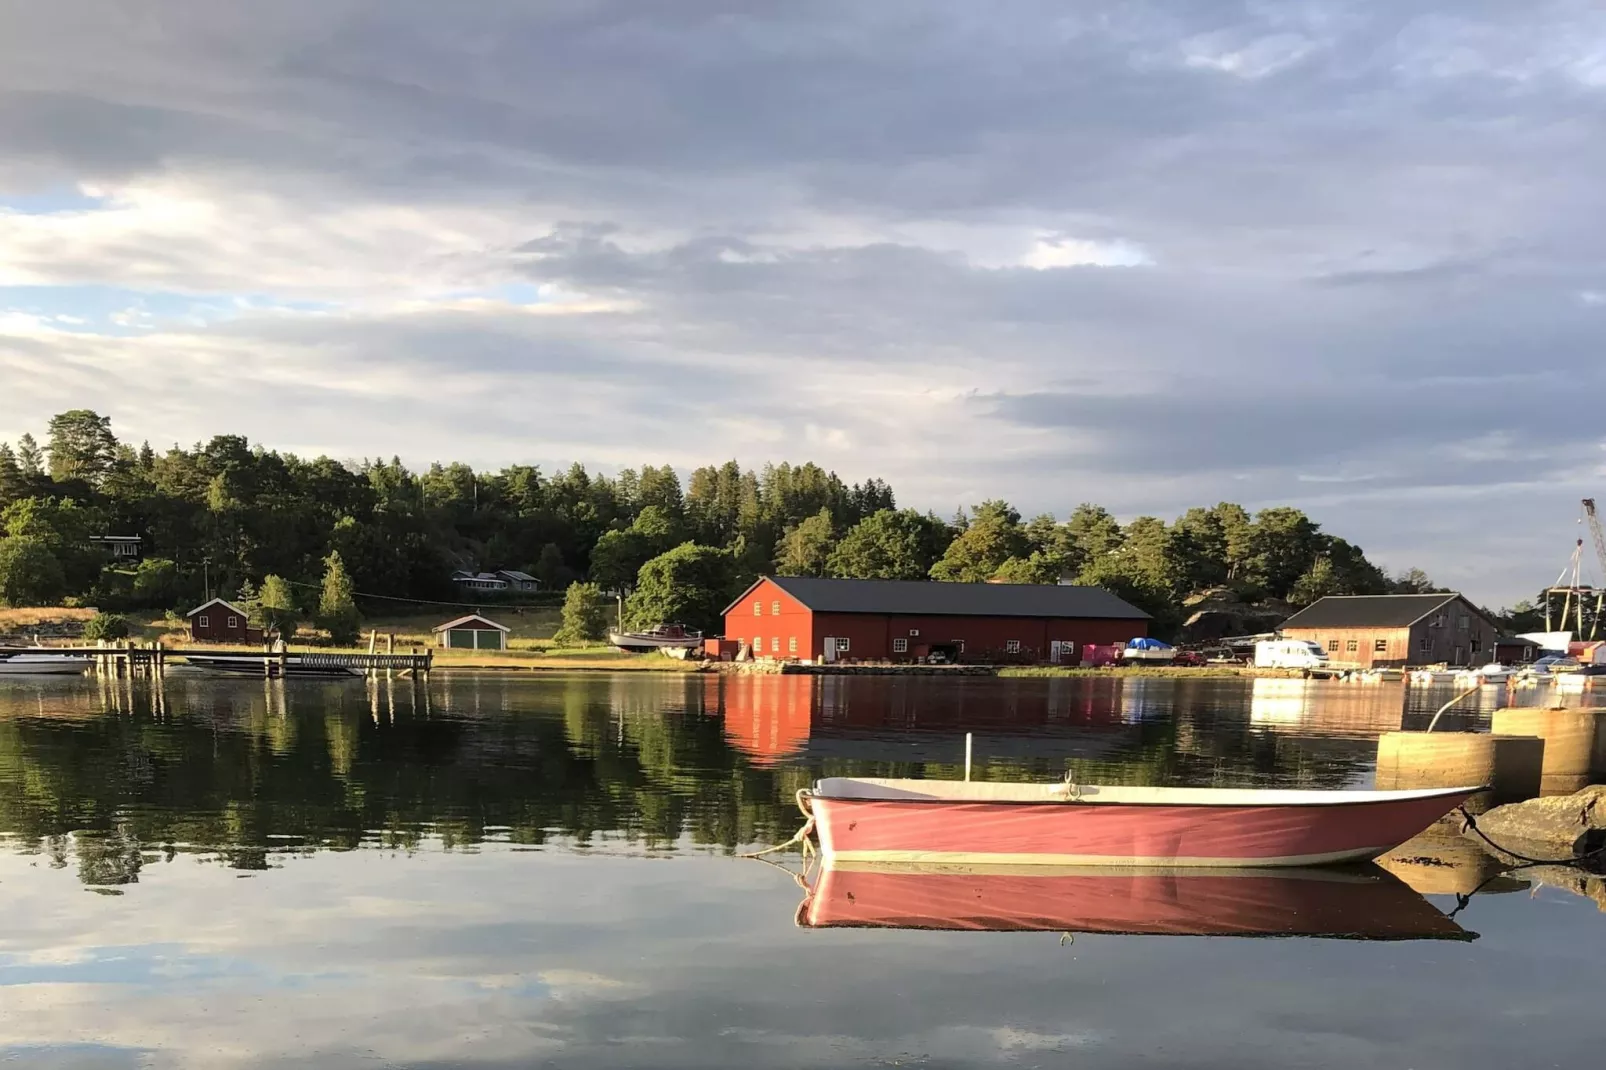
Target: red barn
897,620
222,622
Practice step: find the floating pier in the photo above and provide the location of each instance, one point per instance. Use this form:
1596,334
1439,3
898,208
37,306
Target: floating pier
135,659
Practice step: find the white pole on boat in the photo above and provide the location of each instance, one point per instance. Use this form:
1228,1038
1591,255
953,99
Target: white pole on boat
967,756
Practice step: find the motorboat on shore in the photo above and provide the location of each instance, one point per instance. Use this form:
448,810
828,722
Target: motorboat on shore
1346,903
872,819
1145,651
664,637
43,664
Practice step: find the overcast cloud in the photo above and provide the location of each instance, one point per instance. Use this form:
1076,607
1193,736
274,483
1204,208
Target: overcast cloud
1344,255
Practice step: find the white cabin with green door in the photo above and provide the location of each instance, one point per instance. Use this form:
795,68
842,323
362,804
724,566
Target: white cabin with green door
473,632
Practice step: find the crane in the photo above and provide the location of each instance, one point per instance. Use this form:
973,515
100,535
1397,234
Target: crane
1593,520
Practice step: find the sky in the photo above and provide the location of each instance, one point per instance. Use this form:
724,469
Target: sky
1344,256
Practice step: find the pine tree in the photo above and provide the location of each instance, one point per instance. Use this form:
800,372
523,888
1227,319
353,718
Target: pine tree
337,605
10,475
29,457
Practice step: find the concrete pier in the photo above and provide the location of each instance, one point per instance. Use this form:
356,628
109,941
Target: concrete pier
1510,765
1575,743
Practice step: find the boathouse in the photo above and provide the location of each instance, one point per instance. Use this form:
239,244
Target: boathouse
1395,630
219,621
805,618
473,632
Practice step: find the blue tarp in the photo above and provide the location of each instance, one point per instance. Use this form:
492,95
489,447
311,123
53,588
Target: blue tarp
1148,644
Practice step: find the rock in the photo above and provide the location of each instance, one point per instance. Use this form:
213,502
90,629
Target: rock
1561,825
1218,612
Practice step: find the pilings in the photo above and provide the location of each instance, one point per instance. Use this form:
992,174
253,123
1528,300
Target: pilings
1509,765
1575,743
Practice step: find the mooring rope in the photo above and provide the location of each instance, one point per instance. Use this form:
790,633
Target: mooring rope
802,835
1524,861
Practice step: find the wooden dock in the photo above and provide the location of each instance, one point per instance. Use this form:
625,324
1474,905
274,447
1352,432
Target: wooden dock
135,659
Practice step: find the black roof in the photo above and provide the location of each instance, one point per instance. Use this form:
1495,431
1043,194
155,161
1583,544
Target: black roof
930,598
1370,610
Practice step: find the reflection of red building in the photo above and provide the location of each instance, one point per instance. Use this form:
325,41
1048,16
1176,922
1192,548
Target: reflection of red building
772,718
767,717
805,618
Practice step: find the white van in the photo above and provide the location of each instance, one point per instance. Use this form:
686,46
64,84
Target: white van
1289,654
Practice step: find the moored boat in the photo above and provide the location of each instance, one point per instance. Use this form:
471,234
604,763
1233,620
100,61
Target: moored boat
964,822
42,665
664,637
257,665
1359,903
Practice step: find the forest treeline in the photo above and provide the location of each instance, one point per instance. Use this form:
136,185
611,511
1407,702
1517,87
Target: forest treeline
226,515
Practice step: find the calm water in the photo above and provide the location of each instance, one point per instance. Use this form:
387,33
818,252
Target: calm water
506,871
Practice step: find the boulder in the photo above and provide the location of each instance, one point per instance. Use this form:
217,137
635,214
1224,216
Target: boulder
1558,826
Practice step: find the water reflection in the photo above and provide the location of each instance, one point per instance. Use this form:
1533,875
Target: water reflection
1364,903
116,774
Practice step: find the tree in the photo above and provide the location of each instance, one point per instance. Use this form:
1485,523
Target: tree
277,607
337,603
1038,568
549,567
805,547
11,483
585,616
106,626
1319,581
889,545
30,575
992,537
690,585
1285,543
1118,575
1415,581
155,582
29,458
82,447
1093,530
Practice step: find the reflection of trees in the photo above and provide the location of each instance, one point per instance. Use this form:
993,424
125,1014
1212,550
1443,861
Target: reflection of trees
246,772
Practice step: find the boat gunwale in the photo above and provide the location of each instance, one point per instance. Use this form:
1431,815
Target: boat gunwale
1346,799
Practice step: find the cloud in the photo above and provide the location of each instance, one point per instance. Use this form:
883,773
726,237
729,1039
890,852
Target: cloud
1140,252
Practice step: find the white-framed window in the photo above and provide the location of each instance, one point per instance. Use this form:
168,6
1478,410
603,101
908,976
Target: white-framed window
234,622
914,633
841,646
775,609
1425,646
791,645
758,644
1462,623
1381,646
775,644
758,608
900,646
1012,646
1332,646
203,621
1352,645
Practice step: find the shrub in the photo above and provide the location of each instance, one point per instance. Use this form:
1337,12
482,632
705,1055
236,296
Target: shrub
106,626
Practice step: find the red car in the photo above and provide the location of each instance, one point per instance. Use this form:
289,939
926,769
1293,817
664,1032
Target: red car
1188,657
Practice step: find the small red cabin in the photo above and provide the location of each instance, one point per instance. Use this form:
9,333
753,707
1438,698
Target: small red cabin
219,621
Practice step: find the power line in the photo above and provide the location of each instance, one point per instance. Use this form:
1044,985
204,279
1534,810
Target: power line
424,601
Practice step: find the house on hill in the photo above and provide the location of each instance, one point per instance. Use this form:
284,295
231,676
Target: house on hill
1396,629
219,621
902,620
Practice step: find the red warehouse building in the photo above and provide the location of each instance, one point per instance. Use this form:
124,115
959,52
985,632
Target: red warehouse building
897,620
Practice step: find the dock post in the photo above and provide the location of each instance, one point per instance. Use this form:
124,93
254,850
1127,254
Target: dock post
967,756
1508,765
1575,743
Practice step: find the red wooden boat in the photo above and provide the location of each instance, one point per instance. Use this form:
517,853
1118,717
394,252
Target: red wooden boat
1354,904
966,822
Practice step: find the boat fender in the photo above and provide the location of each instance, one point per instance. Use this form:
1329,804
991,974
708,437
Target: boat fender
1072,790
